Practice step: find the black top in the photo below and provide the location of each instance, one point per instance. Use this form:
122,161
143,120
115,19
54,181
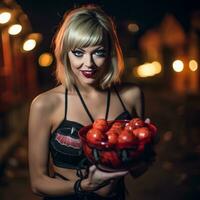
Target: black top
64,142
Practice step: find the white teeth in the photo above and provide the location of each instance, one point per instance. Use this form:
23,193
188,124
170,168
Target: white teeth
88,72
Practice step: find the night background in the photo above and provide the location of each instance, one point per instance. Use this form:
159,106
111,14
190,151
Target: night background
162,36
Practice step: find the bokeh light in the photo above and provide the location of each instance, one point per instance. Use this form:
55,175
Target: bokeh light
29,45
133,27
178,66
4,17
45,59
149,69
193,65
15,29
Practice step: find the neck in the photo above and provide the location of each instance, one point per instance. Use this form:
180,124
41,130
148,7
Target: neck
88,89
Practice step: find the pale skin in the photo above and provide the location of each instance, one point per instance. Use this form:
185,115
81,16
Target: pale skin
47,111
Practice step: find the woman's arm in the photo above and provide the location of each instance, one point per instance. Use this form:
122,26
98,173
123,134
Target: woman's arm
39,132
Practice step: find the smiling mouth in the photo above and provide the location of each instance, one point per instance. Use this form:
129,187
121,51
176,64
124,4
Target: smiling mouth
89,73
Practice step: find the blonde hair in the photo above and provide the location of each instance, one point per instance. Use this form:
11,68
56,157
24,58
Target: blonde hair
83,27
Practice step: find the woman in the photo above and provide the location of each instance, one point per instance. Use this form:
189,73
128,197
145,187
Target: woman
89,66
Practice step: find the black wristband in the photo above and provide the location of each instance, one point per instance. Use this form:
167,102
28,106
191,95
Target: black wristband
78,190
77,187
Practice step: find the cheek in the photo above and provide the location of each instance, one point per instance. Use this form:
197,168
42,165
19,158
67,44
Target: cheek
101,62
75,63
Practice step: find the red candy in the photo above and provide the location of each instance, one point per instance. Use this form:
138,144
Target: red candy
142,133
100,124
95,136
136,123
126,139
120,132
118,143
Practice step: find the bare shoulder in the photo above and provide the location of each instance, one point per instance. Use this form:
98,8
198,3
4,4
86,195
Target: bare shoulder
47,101
129,91
133,98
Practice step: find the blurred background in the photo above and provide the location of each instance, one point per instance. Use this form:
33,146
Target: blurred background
161,46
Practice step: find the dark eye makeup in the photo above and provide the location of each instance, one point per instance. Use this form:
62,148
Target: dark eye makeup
97,52
77,53
100,52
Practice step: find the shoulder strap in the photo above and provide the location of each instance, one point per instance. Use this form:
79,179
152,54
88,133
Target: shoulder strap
120,98
108,105
66,103
85,107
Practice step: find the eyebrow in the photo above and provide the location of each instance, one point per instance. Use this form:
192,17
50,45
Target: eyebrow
100,47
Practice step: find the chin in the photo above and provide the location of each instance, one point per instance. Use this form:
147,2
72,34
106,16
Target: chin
87,81
90,82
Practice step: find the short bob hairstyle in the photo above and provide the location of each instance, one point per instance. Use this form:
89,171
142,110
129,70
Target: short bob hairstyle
83,27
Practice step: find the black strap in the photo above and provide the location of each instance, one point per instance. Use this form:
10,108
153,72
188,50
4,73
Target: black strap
120,98
85,107
108,105
60,175
66,102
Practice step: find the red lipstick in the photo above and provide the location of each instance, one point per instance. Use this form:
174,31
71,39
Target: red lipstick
88,73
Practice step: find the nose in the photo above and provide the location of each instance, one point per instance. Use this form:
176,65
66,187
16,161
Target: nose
88,61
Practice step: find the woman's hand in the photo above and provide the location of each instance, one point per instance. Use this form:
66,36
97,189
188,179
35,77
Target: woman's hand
97,178
147,120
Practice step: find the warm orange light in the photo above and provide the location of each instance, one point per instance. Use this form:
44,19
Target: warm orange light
148,69
178,65
45,59
193,65
133,27
157,67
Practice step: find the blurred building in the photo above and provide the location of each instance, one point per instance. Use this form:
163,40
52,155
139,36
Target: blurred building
166,56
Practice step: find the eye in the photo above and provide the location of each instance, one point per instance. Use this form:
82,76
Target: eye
77,53
100,53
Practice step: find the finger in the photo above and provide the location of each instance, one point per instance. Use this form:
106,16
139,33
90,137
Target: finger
92,169
116,174
147,120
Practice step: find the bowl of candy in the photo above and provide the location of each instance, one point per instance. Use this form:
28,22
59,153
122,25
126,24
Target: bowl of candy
118,145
